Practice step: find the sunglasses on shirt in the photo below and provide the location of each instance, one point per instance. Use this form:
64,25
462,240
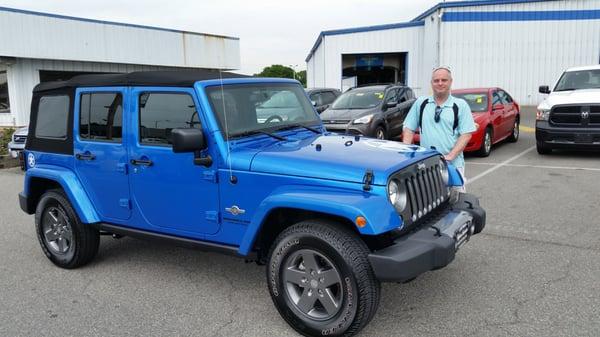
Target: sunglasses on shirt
438,112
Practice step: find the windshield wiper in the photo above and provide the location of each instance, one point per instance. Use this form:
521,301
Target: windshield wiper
298,125
253,132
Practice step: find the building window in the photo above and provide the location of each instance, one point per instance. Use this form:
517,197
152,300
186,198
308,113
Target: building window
4,103
101,117
52,117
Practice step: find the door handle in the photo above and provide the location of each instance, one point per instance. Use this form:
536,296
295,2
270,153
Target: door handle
85,156
142,162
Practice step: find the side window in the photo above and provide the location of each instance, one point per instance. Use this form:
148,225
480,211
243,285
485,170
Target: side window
52,117
162,112
496,98
506,99
316,97
101,117
392,95
328,97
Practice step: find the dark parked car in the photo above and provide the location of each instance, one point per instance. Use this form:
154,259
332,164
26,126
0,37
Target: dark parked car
322,98
375,111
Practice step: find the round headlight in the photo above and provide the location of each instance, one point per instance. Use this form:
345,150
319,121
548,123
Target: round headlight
397,195
444,172
393,191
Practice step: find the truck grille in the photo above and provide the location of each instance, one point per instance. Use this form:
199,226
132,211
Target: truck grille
425,187
575,115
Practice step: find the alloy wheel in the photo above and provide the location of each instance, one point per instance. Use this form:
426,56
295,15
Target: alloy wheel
57,230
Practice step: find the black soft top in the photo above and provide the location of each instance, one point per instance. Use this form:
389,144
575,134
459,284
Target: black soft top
183,78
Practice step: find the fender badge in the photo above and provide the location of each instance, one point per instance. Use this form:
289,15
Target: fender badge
31,160
235,210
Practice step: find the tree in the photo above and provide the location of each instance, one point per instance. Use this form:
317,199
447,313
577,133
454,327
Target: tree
277,70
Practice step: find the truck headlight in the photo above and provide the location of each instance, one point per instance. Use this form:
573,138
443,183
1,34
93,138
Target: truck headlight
363,120
542,114
397,195
444,172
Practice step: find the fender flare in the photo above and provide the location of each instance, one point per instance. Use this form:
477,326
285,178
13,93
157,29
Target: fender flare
70,183
381,216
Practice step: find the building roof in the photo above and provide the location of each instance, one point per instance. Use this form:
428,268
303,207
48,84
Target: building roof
140,78
418,21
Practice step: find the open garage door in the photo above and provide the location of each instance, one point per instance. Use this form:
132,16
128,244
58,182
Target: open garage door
374,68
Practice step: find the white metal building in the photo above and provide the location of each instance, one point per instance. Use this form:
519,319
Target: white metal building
37,47
514,44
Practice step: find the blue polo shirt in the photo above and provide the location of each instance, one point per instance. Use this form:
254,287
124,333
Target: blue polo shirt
441,135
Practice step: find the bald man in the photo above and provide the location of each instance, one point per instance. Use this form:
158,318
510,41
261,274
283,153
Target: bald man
439,127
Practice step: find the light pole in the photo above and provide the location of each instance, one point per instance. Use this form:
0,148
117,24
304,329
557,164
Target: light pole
293,66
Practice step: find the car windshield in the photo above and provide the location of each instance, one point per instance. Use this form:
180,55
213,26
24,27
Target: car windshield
478,102
359,99
580,79
244,109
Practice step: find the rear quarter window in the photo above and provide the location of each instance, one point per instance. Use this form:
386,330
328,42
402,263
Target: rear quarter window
52,117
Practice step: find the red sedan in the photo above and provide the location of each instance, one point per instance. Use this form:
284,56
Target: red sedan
496,116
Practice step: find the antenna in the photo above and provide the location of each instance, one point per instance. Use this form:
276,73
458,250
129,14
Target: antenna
231,179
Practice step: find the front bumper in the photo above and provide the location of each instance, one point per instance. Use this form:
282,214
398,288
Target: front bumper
431,247
15,148
567,138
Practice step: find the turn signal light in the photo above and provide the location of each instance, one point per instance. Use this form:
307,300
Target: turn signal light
360,221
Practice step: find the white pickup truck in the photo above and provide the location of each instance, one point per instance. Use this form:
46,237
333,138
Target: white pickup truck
570,116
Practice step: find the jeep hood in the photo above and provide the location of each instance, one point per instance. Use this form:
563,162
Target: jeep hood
582,96
335,157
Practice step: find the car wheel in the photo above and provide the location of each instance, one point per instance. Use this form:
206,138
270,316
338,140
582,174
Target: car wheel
514,136
486,143
380,133
543,149
65,240
321,281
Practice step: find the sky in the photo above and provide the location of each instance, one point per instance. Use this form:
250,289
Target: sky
270,31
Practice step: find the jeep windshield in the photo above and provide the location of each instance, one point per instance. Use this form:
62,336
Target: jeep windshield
245,109
579,79
359,99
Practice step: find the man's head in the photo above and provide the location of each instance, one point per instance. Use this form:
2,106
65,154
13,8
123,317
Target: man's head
441,81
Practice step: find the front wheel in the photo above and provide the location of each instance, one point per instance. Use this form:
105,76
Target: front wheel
65,240
486,144
380,133
321,281
514,136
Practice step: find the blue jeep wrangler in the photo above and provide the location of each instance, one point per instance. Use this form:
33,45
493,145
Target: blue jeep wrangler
222,162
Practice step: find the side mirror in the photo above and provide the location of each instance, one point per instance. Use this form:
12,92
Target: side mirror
497,107
191,140
187,140
390,104
544,89
314,103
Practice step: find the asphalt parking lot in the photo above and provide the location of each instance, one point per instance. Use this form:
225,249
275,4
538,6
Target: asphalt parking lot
534,271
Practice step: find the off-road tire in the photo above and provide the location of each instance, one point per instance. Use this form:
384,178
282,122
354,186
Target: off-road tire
358,288
84,240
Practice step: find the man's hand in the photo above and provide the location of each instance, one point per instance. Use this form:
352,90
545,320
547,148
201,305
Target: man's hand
459,146
449,157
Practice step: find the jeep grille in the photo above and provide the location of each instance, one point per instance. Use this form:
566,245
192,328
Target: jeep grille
425,188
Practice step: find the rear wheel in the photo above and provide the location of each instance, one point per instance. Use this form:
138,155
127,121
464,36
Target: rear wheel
514,136
486,143
321,281
542,148
65,240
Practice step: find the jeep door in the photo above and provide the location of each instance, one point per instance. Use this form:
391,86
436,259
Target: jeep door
168,190
100,153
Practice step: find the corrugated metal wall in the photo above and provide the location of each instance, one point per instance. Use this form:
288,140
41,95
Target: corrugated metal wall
519,55
44,36
516,55
24,74
324,69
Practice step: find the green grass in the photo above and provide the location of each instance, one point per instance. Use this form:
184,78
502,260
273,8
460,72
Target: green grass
5,138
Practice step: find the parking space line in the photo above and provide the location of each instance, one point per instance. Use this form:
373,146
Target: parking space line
542,166
504,163
526,128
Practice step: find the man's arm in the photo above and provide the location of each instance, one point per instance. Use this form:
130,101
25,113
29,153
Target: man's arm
459,146
407,136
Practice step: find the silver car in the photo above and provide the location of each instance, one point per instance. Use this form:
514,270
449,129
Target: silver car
18,142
